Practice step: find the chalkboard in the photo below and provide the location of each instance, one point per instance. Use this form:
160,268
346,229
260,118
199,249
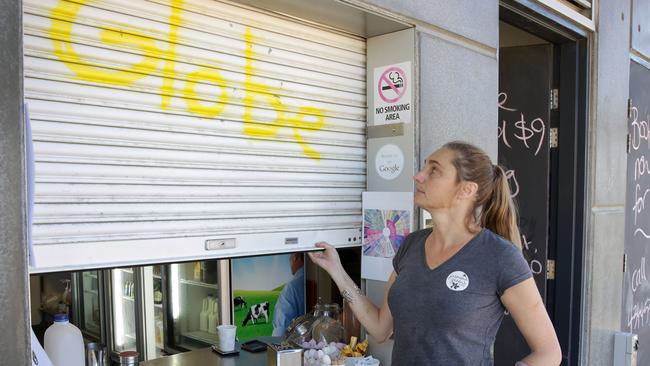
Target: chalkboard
636,288
525,75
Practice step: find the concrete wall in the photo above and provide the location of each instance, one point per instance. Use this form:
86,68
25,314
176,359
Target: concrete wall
14,317
641,27
473,20
458,89
606,219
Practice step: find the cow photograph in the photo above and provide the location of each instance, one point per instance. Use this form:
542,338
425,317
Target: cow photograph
239,303
256,285
256,312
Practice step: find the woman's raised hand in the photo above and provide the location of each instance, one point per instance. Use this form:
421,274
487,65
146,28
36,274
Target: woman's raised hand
328,259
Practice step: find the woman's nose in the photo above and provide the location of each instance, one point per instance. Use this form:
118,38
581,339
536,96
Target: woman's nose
419,177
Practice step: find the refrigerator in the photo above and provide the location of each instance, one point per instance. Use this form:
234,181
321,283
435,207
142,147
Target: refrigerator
124,305
198,299
88,305
159,307
155,310
137,311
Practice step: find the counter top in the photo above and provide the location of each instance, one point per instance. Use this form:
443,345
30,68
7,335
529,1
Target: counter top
205,356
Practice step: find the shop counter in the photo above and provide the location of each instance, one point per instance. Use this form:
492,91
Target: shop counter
206,356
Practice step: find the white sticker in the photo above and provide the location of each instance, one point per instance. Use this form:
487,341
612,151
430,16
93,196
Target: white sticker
392,86
389,161
457,281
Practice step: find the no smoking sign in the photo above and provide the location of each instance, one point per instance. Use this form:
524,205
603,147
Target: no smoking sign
392,94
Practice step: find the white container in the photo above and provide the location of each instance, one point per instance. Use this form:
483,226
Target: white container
64,344
203,316
213,317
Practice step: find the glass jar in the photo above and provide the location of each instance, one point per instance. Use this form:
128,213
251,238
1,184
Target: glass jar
299,331
327,327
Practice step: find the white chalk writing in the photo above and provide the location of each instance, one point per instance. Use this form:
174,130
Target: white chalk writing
638,276
641,167
514,185
503,97
523,130
640,231
525,242
536,126
640,130
637,316
536,266
639,201
501,133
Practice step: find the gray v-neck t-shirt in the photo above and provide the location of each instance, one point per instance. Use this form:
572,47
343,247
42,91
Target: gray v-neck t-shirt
449,315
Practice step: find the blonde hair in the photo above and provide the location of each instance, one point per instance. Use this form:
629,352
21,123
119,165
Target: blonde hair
494,207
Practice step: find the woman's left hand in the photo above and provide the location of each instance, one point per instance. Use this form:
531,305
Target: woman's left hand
327,259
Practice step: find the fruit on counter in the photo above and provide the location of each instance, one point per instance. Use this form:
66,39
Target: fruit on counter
354,349
323,354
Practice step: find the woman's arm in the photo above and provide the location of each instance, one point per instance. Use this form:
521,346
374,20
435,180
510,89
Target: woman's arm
527,309
377,321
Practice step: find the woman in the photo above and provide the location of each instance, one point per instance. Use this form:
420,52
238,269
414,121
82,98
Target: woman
451,284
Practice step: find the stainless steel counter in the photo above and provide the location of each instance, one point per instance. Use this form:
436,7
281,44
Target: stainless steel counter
206,356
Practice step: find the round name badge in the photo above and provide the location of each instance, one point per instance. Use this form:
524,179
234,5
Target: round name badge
389,161
457,281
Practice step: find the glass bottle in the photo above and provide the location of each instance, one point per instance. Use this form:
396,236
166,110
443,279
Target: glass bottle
327,327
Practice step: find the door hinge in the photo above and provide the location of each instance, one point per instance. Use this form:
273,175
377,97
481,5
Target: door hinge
550,269
555,97
629,143
624,263
629,108
553,140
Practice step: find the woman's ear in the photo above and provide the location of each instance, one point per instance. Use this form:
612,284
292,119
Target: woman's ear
467,190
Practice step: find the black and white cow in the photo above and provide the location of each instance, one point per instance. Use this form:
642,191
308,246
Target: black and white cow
239,301
256,311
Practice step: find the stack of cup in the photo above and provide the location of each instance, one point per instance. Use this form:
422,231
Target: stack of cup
96,354
226,337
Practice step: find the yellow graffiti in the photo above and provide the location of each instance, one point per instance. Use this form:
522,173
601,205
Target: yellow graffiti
65,52
256,94
194,104
263,92
168,68
257,91
298,123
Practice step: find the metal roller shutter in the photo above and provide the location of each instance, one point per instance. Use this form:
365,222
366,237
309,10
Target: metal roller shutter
158,125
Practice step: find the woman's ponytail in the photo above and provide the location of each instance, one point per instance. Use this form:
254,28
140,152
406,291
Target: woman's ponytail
499,213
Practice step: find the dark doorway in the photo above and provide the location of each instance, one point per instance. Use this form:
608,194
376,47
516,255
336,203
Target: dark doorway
542,133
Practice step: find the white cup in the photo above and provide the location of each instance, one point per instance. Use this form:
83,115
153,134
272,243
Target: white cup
226,336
